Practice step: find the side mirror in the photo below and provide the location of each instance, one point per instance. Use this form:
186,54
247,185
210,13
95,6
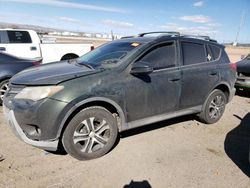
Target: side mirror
141,67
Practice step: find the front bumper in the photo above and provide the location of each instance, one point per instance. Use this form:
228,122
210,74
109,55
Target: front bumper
243,82
13,124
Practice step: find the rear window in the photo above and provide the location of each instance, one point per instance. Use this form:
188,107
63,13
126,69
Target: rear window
193,53
19,37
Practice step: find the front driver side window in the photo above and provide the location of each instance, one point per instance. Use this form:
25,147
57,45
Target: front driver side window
161,56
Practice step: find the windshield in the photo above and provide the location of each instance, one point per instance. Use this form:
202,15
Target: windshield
110,53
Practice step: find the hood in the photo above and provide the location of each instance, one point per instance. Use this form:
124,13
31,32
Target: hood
51,74
243,66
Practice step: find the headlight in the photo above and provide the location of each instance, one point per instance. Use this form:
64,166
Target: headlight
38,93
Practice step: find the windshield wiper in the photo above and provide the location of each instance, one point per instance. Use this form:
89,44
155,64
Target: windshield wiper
84,64
110,61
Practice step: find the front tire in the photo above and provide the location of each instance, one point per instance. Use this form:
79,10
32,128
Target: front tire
4,86
90,134
214,107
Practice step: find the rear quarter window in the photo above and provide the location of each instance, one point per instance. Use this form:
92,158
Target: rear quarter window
19,37
215,51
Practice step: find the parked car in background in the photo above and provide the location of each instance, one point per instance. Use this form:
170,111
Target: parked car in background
124,84
27,44
243,74
9,66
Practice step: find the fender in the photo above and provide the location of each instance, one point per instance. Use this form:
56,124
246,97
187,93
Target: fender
5,77
93,99
218,84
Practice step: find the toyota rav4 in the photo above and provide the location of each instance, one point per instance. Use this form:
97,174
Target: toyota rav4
84,103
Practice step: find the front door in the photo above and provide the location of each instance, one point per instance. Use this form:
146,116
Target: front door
156,93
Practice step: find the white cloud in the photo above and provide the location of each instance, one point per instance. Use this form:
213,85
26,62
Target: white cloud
214,24
196,18
67,19
66,4
198,30
118,24
198,4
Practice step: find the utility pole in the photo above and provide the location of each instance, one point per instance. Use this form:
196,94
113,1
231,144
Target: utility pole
240,26
112,35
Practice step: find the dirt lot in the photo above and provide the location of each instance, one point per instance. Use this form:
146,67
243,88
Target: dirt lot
177,153
181,152
235,53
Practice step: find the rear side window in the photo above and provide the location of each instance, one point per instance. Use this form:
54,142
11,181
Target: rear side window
193,53
161,56
19,37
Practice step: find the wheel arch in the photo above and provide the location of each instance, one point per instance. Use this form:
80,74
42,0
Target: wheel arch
71,55
5,78
224,87
106,103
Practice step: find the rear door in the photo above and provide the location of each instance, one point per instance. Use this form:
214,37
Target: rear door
20,44
199,73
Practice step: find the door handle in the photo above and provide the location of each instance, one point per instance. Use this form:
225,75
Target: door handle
33,48
213,73
2,49
173,79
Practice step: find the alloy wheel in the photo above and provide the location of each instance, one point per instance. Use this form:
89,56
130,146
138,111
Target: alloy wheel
216,107
91,135
3,90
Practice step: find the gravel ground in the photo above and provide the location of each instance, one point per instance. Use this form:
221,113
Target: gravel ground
181,152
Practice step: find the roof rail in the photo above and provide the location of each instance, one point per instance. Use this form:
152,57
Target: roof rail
173,34
204,37
127,37
170,33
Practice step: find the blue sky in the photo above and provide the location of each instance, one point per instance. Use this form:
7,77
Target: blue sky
219,19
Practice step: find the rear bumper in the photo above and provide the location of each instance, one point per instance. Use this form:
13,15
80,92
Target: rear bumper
16,129
231,94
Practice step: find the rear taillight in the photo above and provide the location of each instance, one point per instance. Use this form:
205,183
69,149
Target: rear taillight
92,48
36,63
233,66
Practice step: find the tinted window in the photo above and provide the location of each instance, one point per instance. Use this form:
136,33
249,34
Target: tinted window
215,51
162,56
248,57
19,37
193,53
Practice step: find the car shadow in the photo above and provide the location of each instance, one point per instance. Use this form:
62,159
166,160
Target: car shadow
237,144
243,93
138,184
157,125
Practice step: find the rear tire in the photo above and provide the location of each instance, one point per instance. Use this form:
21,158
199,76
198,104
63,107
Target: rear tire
214,107
90,134
4,86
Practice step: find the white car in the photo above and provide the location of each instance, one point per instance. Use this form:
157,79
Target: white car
27,44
